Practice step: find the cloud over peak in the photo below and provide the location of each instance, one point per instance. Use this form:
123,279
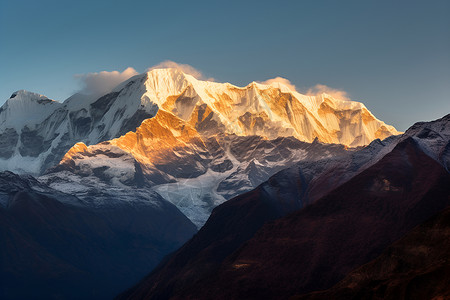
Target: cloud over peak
103,82
281,80
319,89
316,90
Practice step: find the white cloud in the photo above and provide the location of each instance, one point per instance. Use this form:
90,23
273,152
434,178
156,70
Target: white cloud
182,67
321,88
103,82
281,80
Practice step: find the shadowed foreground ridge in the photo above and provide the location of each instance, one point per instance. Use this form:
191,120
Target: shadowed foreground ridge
55,246
316,247
415,267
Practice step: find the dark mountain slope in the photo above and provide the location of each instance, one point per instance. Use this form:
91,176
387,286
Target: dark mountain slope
56,247
230,225
415,267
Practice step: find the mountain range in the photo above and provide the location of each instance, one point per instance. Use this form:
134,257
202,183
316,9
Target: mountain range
197,143
41,130
97,190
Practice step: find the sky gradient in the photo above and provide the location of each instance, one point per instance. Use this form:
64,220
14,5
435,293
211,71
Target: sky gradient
394,56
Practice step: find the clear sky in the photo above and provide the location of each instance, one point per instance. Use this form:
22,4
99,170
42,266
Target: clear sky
394,56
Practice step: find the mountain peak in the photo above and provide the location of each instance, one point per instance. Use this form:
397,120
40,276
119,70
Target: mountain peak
166,71
176,76
26,108
24,95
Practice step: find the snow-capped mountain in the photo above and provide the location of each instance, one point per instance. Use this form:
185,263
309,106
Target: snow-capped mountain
36,132
197,143
266,110
165,136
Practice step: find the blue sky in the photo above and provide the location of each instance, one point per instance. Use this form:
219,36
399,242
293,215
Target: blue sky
394,56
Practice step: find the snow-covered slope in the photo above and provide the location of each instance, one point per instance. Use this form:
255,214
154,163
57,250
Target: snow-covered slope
36,132
22,148
433,137
195,176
